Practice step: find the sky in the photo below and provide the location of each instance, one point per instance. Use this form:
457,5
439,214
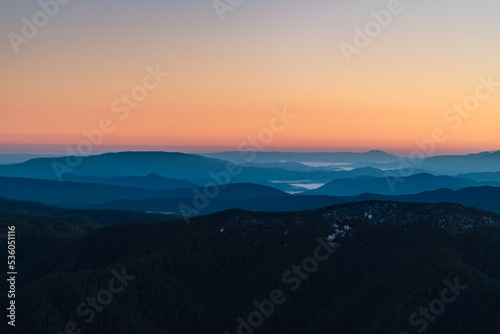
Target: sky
231,68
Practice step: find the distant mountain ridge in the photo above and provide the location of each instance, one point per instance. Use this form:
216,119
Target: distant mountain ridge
265,165
274,157
7,159
485,176
387,186
183,166
459,164
169,165
150,181
180,166
55,192
485,198
441,164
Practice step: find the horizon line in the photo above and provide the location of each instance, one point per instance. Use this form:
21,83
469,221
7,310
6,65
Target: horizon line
214,150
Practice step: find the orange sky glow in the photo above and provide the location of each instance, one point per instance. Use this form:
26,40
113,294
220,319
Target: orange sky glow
226,78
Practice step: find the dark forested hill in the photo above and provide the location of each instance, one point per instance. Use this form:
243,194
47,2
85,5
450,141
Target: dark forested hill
11,210
390,261
485,198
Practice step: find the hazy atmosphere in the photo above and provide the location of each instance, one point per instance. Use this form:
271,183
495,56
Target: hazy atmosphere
226,76
250,167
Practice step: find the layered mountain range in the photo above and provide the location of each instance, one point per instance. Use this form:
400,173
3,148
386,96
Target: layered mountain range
252,242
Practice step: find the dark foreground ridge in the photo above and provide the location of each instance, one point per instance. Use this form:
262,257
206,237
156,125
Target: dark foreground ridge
392,260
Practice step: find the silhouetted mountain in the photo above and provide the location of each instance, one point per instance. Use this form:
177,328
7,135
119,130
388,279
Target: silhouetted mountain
292,166
195,168
189,167
283,186
459,164
334,173
485,198
367,171
55,192
150,181
70,193
388,186
482,177
6,159
373,156
390,261
12,210
173,165
311,177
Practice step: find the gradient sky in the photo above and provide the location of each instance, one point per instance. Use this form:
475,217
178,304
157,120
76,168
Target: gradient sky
227,77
